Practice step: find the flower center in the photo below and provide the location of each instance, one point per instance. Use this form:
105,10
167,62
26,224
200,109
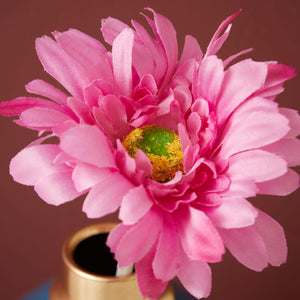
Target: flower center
161,145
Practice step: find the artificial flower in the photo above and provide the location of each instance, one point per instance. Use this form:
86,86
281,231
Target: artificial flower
235,142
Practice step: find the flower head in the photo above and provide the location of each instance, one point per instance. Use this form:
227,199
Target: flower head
177,144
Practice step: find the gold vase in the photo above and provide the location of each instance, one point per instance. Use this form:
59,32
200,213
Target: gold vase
75,283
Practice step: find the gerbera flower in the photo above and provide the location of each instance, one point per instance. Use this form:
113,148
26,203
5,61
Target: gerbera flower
177,144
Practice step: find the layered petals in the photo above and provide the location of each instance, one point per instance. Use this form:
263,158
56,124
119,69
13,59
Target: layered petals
87,144
274,239
234,142
195,277
137,240
106,196
122,62
43,88
149,285
16,106
247,246
257,165
42,118
88,52
234,91
200,239
35,166
210,79
57,188
61,66
257,245
165,267
136,203
242,130
280,186
233,213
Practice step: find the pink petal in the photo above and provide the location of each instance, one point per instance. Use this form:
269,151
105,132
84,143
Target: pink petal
191,49
278,73
139,239
43,88
105,86
242,187
57,188
111,28
199,238
115,236
170,203
195,277
147,81
219,184
184,137
184,73
273,237
41,140
61,66
122,61
82,38
246,246
165,266
44,118
116,112
88,144
135,204
228,60
190,166
149,285
210,78
143,163
143,60
153,48
61,128
81,109
103,122
142,115
165,104
256,164
88,52
234,212
91,95
217,41
106,196
294,121
270,93
255,124
126,163
32,163
183,95
234,90
86,176
208,200
16,106
281,186
167,36
288,149
193,126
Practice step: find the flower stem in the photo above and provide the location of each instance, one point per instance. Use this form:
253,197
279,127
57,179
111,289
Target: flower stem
124,271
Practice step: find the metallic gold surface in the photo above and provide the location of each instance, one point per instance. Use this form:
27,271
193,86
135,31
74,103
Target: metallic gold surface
77,284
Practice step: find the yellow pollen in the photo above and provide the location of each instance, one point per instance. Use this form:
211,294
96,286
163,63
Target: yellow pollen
161,145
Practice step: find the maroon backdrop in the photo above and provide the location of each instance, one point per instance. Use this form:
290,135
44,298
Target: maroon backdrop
32,232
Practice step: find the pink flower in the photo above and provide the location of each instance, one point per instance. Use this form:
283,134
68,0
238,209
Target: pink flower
236,143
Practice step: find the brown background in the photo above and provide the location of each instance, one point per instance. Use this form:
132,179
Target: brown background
31,232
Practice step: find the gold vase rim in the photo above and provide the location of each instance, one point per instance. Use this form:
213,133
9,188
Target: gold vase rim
72,242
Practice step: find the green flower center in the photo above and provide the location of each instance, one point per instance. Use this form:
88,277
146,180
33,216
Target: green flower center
161,145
